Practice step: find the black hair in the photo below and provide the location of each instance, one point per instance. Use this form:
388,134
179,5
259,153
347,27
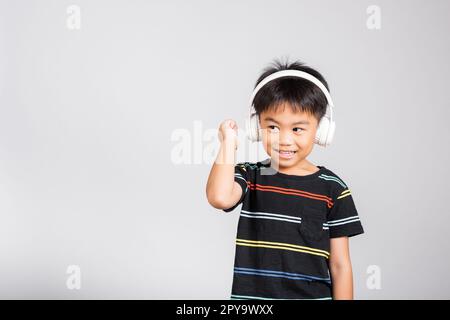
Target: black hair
301,94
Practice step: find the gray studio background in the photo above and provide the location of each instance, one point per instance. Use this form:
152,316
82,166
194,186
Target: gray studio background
87,116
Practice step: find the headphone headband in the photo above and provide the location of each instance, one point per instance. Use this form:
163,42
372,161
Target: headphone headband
298,74
292,73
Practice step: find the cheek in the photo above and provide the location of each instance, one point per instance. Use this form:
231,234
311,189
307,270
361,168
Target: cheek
267,141
270,142
305,141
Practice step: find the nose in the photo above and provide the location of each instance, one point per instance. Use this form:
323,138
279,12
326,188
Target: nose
286,138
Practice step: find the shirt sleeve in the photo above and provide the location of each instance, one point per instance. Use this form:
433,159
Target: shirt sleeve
343,218
241,177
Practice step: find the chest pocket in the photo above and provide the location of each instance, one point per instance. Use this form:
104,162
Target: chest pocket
312,224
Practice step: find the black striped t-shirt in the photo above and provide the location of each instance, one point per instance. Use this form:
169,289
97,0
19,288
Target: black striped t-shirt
284,231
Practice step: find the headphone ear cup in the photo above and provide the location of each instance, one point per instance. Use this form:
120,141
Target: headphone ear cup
252,128
325,132
331,129
322,131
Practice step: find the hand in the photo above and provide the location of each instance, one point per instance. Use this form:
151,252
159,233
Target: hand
228,132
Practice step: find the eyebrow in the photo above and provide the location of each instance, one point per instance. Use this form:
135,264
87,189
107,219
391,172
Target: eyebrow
298,122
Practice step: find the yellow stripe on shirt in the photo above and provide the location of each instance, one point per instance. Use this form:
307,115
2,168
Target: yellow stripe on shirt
281,245
344,194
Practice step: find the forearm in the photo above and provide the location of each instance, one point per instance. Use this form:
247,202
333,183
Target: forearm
221,177
342,280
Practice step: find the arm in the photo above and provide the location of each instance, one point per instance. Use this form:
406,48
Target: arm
222,191
341,269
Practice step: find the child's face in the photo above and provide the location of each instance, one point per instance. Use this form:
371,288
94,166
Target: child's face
286,130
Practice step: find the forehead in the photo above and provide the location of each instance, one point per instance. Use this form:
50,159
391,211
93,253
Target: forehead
286,115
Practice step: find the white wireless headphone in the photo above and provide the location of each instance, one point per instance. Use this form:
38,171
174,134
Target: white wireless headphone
326,127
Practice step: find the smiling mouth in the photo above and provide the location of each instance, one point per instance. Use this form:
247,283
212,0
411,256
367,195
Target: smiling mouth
285,152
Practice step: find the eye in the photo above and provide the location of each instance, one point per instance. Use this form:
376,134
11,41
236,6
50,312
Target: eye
298,130
273,128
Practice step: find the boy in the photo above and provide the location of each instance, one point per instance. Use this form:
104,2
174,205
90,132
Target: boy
296,217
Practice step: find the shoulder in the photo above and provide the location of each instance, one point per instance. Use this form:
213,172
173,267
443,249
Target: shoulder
246,165
247,169
336,183
250,166
250,169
